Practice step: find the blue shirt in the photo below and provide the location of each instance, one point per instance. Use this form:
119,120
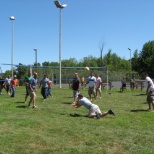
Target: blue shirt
33,82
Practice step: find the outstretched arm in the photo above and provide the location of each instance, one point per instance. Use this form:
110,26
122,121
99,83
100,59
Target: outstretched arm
75,105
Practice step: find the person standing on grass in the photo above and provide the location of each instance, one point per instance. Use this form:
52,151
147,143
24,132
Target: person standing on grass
1,84
149,91
27,80
76,86
44,87
49,93
6,84
98,86
82,82
14,83
31,89
94,110
123,86
92,83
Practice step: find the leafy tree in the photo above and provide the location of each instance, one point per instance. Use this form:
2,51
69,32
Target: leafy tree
22,71
146,59
69,62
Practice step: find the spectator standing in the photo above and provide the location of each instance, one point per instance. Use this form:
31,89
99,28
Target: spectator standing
44,87
1,84
123,82
82,82
92,83
149,91
49,93
14,83
98,86
76,86
7,84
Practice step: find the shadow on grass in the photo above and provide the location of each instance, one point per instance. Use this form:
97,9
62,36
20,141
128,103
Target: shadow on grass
21,106
20,102
74,114
66,103
139,110
140,95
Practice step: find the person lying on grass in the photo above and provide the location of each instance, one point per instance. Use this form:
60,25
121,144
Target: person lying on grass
94,110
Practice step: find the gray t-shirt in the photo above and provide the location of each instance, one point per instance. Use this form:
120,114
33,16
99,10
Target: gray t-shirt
44,82
85,102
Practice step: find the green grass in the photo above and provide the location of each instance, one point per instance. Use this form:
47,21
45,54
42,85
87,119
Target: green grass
50,128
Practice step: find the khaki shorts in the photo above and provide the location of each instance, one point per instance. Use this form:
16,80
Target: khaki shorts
91,90
32,94
94,108
150,97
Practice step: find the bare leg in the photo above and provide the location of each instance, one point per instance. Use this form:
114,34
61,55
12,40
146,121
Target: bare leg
153,105
149,104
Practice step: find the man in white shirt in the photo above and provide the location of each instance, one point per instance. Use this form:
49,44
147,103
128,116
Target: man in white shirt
94,110
149,91
7,83
92,83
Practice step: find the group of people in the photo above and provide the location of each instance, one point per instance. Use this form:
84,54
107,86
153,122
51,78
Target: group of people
133,84
94,89
31,83
95,84
9,85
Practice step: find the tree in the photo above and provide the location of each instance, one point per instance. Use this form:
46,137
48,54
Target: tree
146,59
101,47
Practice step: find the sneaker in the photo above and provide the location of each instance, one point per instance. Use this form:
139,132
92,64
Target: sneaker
34,106
98,116
111,112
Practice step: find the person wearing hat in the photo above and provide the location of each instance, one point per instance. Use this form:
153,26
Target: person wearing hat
13,84
94,110
76,86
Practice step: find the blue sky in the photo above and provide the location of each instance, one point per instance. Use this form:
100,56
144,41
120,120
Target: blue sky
85,23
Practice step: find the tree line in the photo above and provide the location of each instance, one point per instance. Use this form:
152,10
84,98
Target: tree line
141,61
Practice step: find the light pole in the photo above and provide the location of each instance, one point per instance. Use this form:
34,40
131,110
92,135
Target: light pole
130,63
58,5
12,18
35,56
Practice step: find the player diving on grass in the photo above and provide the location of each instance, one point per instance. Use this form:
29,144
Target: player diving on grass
94,110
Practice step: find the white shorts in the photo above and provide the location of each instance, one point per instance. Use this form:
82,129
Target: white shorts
94,108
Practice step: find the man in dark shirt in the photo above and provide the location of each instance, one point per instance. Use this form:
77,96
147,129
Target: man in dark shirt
1,84
76,86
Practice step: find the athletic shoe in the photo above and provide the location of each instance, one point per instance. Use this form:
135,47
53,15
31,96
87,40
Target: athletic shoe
34,106
111,112
98,116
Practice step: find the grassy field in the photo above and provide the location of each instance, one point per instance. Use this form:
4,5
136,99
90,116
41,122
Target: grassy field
50,129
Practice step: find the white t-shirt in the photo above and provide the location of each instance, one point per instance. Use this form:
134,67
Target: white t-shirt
147,80
8,81
92,81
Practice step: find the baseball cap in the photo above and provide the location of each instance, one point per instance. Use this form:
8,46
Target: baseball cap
76,73
15,76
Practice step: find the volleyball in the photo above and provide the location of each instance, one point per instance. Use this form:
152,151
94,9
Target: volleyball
86,68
